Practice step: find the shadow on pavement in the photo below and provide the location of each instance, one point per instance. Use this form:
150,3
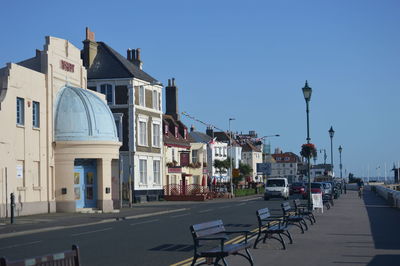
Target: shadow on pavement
384,222
386,260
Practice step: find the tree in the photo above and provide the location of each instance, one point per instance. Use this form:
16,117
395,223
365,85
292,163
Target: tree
221,166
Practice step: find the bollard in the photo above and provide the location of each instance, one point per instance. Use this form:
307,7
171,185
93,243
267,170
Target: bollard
12,205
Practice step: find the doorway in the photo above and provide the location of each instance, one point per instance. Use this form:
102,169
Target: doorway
85,183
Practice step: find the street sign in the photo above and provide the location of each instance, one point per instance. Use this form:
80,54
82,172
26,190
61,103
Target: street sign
264,168
236,172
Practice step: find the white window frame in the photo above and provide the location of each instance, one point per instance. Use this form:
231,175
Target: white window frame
20,111
153,136
143,170
143,142
157,178
195,159
142,96
108,86
35,114
155,99
118,117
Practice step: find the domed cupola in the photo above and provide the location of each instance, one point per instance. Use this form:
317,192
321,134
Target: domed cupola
80,115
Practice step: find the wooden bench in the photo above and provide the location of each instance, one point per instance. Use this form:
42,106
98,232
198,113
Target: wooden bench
65,258
292,217
271,225
213,233
302,209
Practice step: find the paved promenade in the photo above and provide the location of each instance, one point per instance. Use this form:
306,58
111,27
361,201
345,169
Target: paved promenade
354,232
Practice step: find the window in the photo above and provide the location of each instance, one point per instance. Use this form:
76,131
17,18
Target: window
20,111
173,179
173,154
176,132
118,125
143,133
196,179
143,171
185,133
156,135
141,96
195,156
156,172
166,130
36,114
155,100
107,90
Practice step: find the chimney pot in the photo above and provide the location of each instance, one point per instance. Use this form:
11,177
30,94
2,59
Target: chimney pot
169,83
138,54
173,82
129,54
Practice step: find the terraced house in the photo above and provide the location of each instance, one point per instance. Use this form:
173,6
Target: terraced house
135,99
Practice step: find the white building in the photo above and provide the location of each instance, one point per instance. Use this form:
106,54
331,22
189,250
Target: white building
251,156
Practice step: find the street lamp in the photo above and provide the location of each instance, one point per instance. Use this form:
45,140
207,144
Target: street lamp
331,134
231,157
340,156
307,96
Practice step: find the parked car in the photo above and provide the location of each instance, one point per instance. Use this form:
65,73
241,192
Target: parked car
298,188
317,187
276,187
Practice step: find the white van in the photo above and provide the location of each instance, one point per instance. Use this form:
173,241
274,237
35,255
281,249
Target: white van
276,188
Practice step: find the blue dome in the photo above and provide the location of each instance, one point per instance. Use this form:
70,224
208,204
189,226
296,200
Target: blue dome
83,116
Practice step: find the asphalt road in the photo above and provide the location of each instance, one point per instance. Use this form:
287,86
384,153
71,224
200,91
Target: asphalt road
156,240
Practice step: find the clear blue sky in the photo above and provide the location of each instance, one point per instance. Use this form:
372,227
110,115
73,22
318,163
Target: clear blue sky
249,60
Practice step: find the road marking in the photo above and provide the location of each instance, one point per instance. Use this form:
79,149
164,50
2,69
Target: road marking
203,211
155,213
240,204
180,215
224,207
111,220
91,232
20,245
146,222
250,199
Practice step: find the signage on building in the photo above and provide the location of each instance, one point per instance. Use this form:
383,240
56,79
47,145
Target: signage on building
264,168
67,66
184,158
175,170
20,171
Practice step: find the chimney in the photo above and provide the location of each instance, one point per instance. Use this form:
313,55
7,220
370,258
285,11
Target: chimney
171,97
192,128
89,49
129,54
210,131
136,58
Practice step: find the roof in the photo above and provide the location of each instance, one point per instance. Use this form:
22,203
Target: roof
108,63
248,147
293,158
197,136
81,115
170,139
224,137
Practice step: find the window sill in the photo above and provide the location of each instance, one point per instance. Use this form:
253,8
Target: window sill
21,188
36,128
37,188
20,126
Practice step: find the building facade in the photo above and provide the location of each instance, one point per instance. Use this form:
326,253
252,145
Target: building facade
251,156
58,140
286,166
135,99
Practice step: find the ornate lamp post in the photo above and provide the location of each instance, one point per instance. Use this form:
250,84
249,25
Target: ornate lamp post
307,96
340,160
331,134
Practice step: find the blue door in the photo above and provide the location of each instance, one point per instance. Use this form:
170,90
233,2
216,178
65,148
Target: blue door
85,183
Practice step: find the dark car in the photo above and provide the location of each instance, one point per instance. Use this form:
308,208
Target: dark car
298,188
317,188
